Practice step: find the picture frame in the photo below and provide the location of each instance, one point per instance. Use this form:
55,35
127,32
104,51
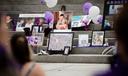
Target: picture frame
83,40
98,38
52,42
36,39
66,50
40,37
35,29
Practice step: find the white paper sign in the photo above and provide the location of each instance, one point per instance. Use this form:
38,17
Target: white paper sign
83,40
31,15
68,30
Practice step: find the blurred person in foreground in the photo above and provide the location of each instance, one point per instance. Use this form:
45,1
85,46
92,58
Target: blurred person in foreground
120,61
7,62
22,54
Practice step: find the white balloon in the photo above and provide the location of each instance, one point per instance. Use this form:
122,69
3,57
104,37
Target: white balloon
95,19
51,3
94,11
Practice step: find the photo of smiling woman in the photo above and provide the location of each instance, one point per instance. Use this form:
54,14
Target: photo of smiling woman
62,23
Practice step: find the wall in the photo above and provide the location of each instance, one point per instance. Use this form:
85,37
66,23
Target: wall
34,6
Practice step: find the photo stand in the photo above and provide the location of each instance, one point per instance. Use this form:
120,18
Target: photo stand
66,50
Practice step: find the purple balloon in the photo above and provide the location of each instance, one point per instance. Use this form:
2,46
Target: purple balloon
49,16
86,7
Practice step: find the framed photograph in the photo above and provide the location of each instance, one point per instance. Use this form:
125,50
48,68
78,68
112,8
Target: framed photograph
98,38
83,40
36,39
58,41
35,29
66,50
40,38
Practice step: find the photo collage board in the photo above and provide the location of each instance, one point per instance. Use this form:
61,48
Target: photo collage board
56,20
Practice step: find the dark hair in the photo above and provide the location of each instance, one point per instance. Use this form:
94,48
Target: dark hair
6,60
63,8
20,49
121,27
62,15
6,64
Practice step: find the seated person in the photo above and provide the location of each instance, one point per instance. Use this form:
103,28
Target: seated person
62,23
21,53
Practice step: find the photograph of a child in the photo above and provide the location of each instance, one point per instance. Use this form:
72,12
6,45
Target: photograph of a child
97,38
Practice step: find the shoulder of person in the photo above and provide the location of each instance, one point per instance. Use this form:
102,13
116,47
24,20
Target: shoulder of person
34,69
37,70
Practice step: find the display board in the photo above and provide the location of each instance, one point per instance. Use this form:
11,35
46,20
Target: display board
58,41
111,8
17,22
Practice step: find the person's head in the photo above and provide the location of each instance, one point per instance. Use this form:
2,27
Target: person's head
61,16
6,59
63,8
121,30
20,48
